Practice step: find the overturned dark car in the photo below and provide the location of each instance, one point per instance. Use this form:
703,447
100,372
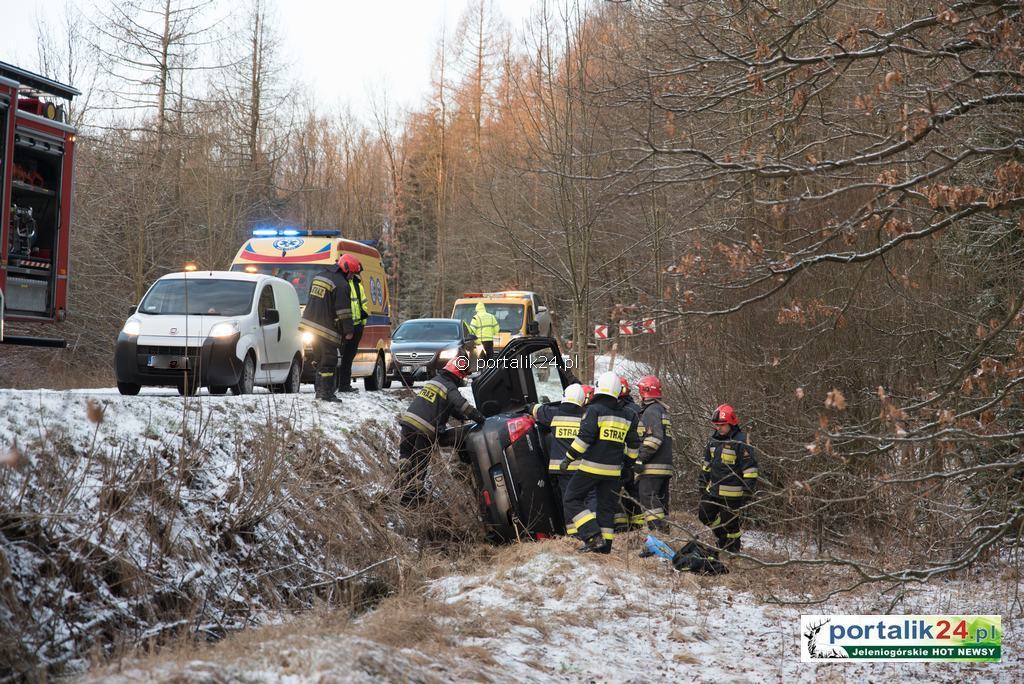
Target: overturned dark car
508,455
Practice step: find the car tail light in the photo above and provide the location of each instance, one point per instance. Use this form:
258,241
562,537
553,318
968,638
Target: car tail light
487,498
517,427
540,535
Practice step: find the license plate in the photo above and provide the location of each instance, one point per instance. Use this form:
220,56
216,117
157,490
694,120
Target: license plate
407,369
167,362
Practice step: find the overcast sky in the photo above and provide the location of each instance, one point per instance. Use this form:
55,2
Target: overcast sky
344,49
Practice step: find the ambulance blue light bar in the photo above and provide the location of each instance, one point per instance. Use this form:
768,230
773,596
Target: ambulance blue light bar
293,232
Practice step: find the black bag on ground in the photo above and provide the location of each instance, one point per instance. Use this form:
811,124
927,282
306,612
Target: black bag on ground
699,558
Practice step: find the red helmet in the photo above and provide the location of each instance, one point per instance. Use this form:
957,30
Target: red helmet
349,264
588,393
459,367
724,415
625,386
649,387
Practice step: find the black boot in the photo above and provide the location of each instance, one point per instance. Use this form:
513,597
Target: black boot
325,389
596,544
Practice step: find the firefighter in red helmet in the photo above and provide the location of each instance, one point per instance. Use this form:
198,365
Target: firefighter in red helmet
335,314
654,465
438,400
728,478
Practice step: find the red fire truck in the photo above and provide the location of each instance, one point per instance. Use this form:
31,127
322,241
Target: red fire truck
37,149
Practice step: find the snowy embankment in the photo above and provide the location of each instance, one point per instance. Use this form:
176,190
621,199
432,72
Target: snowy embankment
125,519
541,612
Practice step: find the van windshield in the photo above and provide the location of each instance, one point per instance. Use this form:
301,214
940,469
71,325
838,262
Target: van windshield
199,297
299,275
510,316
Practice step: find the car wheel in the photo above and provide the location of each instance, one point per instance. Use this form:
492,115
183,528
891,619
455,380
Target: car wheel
247,379
375,380
128,389
217,389
294,380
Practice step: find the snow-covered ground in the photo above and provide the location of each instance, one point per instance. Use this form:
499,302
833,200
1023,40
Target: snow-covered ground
542,613
118,511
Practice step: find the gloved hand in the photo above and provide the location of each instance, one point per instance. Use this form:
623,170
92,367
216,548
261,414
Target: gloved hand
638,467
478,417
563,467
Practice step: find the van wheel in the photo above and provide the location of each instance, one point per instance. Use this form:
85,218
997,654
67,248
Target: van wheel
217,389
247,379
188,388
128,389
294,380
378,378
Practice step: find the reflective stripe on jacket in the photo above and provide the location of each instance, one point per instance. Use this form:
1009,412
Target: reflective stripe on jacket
563,419
730,467
357,310
484,325
438,400
656,447
607,437
320,315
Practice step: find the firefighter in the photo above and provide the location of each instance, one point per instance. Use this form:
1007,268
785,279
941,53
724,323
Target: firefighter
728,478
352,317
563,420
485,326
437,401
654,465
629,514
607,438
323,316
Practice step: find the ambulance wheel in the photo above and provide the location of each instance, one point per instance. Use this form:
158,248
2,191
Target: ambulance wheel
128,389
378,378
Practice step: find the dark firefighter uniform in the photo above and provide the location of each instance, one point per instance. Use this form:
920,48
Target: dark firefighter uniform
629,512
324,316
563,420
607,438
438,400
353,320
654,465
728,479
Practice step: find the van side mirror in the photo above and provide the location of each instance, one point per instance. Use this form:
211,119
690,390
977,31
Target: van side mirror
132,309
542,309
270,317
533,328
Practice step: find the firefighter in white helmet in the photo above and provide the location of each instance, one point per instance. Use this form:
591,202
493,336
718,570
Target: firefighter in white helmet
607,439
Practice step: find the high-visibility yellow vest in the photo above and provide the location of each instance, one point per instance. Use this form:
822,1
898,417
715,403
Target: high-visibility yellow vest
360,304
484,326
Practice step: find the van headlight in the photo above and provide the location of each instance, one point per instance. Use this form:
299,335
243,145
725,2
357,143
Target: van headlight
132,328
308,338
224,329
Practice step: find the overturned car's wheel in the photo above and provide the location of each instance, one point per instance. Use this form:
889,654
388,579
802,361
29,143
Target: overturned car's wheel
128,389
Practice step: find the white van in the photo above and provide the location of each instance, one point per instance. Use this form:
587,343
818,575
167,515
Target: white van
219,329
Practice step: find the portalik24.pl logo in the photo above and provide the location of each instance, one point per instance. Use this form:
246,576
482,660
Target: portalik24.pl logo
903,638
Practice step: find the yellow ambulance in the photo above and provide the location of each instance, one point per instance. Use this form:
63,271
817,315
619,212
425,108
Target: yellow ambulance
297,255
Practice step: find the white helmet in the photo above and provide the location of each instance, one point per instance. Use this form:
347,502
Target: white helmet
574,394
609,384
